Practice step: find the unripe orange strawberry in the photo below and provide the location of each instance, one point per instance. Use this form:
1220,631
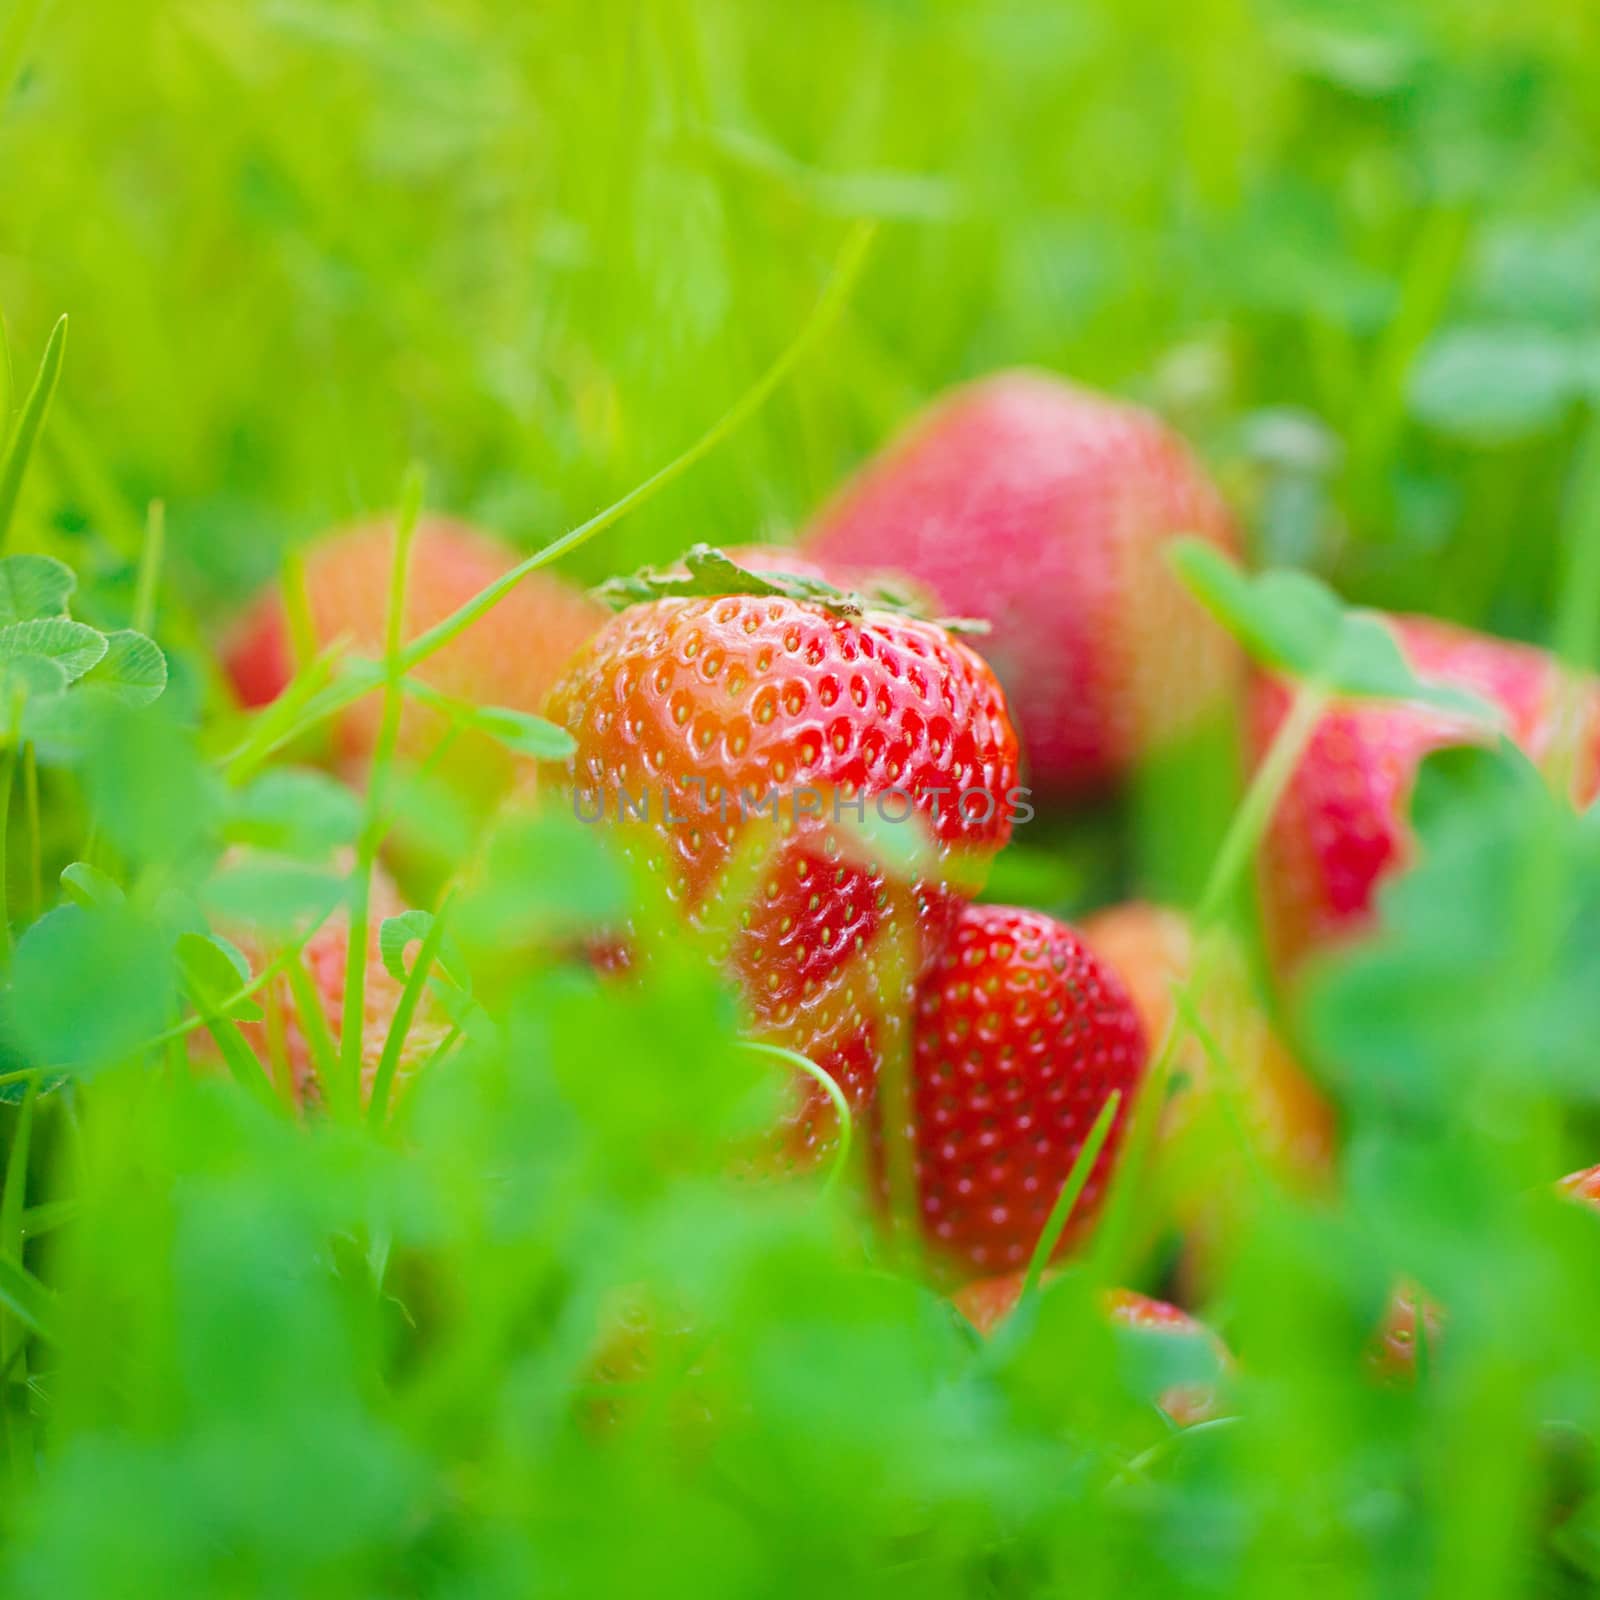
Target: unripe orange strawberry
509,657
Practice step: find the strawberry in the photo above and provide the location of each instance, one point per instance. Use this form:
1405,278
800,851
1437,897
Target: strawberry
509,657
1341,827
1266,1094
715,710
324,956
1045,508
1393,1352
987,1302
1411,1317
1583,1186
1020,1035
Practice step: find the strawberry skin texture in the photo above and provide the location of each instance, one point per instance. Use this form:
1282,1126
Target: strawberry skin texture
1341,826
509,657
987,1302
1020,1035
702,701
1046,509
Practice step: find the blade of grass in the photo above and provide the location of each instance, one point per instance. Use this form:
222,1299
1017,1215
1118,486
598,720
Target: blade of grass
151,555
19,449
841,1106
313,1023
1116,1232
1061,1212
371,835
12,1241
847,269
29,1301
30,802
39,1220
410,998
852,257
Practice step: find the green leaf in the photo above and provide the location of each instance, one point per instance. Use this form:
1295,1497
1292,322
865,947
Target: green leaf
34,586
294,811
398,933
1482,967
1494,385
133,669
90,984
213,971
1293,624
73,646
524,733
395,933
1286,620
274,895
19,450
89,886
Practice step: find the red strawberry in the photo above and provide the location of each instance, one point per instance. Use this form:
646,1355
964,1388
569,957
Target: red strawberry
324,955
1020,1035
509,657
987,1302
1341,826
698,704
1046,508
1583,1186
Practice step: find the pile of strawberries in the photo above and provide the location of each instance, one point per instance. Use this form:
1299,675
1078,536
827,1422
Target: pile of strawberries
819,776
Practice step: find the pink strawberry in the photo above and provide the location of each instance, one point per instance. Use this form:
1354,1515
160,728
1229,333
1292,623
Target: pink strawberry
509,657
324,956
1021,1035
1341,827
1047,509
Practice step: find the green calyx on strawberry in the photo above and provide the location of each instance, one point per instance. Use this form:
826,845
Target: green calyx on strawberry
707,573
857,765
1021,1035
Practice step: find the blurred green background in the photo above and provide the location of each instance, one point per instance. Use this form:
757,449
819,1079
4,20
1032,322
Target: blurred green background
1347,244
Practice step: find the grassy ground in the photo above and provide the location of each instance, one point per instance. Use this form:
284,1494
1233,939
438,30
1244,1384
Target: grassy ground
1349,248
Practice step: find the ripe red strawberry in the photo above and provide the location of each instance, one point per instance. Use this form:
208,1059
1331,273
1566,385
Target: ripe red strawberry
699,704
1289,1122
1341,827
987,1302
1021,1034
1583,1186
1046,509
324,955
509,657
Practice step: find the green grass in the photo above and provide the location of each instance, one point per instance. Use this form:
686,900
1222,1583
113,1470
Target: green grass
621,279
